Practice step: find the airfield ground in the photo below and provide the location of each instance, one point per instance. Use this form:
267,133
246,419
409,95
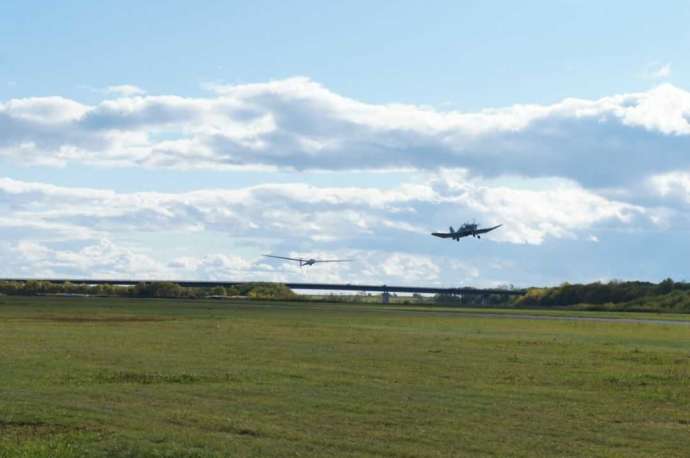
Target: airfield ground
120,377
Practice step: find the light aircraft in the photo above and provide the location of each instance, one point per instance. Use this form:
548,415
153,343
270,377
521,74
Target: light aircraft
465,230
308,262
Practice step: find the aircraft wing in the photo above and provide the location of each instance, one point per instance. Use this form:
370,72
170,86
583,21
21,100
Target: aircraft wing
333,260
488,229
447,235
283,257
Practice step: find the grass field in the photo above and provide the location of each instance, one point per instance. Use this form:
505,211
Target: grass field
118,377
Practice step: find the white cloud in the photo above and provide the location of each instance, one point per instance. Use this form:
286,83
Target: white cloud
106,259
563,172
46,111
660,71
125,90
298,211
63,231
672,193
98,259
672,184
530,215
410,268
299,124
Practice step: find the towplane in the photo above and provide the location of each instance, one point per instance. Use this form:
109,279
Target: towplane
465,230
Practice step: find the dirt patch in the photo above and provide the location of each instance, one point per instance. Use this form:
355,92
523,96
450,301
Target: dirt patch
109,319
240,431
29,429
152,378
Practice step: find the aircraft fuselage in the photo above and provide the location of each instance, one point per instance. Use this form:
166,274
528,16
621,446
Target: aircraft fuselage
464,231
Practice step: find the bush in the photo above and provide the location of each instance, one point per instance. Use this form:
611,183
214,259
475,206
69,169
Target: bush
614,295
270,291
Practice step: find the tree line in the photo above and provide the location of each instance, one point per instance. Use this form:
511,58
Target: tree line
614,292
614,295
146,289
666,295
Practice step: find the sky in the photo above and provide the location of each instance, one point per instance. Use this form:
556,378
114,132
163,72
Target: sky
183,140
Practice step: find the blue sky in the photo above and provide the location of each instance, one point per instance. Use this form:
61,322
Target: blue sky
137,133
468,55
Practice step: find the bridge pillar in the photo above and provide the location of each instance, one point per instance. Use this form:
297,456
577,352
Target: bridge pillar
386,297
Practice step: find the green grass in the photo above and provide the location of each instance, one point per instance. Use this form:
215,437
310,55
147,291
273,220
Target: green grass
119,377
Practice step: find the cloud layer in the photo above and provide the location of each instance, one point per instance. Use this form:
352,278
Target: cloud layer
57,231
585,180
283,211
297,124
